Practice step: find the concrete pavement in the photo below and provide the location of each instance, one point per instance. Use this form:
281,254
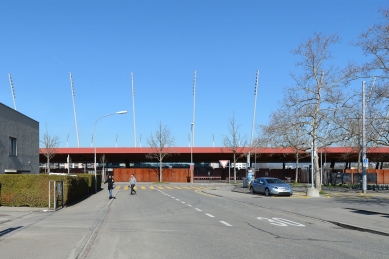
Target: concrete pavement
343,207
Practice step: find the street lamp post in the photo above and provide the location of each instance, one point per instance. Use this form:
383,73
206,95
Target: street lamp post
94,141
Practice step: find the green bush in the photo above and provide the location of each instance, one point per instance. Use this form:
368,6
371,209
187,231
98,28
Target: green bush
32,190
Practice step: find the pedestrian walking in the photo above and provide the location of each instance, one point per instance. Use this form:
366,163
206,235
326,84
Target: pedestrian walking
110,182
133,184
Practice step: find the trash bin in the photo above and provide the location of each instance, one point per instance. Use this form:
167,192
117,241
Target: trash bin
244,182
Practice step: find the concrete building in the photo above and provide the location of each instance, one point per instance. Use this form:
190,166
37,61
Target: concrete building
19,142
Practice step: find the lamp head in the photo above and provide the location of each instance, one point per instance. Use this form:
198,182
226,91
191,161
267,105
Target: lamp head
121,112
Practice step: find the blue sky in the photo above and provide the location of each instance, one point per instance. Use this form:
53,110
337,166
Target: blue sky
162,43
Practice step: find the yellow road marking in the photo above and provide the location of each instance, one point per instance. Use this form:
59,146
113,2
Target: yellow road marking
125,188
160,187
177,187
143,188
135,187
151,187
118,187
168,187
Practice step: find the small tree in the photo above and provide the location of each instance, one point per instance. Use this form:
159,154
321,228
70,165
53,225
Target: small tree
235,142
160,143
49,144
284,130
103,160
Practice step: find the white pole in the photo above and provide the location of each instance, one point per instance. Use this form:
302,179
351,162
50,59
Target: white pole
12,90
364,159
194,105
312,153
74,107
255,107
133,106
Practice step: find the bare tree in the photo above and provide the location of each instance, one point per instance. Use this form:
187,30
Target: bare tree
161,143
375,44
317,94
50,145
235,142
103,160
284,130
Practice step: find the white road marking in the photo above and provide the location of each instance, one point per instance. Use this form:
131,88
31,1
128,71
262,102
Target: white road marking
209,215
225,223
189,205
198,209
177,200
182,201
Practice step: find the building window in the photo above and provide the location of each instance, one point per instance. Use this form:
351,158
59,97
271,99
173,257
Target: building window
12,146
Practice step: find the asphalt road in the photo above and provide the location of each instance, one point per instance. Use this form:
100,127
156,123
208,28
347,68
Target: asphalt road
203,222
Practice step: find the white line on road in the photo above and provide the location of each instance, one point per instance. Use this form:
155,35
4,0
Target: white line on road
177,200
225,223
198,209
182,201
189,205
209,215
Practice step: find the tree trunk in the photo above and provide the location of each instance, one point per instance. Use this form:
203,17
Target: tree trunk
297,168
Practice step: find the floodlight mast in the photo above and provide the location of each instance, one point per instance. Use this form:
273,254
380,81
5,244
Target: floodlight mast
133,106
74,107
255,108
194,105
12,90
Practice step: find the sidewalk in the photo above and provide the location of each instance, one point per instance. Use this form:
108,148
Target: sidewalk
343,207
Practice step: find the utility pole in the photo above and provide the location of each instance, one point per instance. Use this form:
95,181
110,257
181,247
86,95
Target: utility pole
12,90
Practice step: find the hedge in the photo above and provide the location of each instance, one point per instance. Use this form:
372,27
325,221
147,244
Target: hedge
32,190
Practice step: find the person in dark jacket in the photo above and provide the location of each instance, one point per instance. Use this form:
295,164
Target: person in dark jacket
110,185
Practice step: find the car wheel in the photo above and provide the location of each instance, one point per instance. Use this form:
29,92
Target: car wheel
267,192
252,190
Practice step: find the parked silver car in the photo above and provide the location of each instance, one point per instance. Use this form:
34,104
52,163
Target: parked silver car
270,186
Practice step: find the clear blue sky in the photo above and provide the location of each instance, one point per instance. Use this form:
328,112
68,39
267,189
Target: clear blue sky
162,43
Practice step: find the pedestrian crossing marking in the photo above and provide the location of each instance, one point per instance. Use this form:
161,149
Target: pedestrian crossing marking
171,187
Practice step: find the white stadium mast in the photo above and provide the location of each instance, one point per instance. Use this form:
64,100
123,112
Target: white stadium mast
12,90
252,127
194,106
74,108
133,106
